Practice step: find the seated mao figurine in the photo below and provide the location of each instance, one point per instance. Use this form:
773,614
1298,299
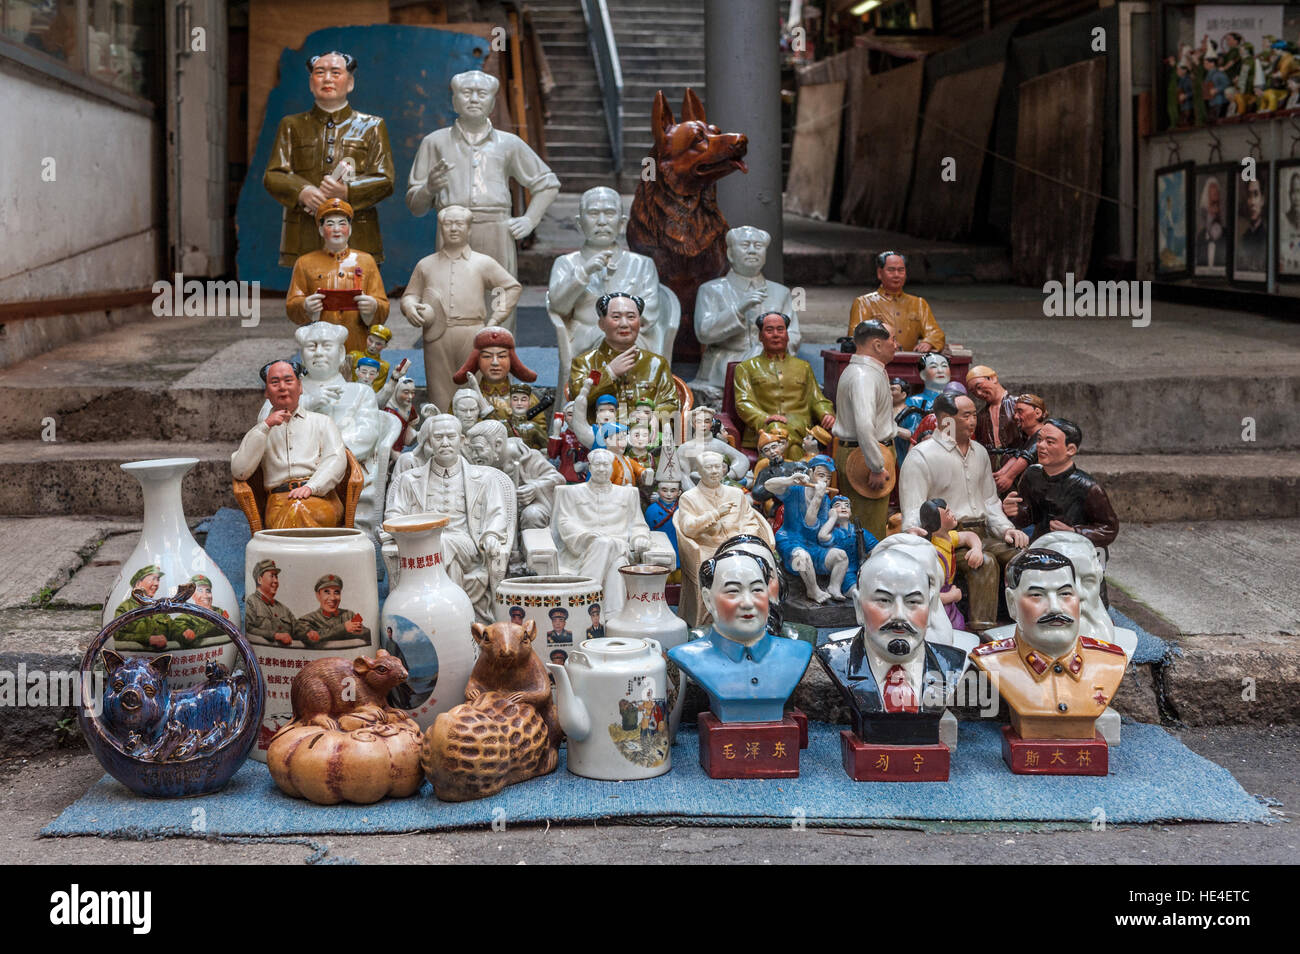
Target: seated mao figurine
1055,495
367,431
729,310
748,673
935,376
703,439
580,279
1055,681
807,501
598,527
488,444
476,543
617,367
300,453
911,318
344,273
490,365
896,682
775,382
708,514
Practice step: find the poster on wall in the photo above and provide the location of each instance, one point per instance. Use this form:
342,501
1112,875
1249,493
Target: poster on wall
1173,194
1250,231
1212,246
1250,24
1288,219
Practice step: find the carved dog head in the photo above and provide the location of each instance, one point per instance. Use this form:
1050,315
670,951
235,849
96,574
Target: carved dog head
692,154
136,697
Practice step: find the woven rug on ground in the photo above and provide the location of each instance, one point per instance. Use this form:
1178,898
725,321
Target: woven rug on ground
1153,778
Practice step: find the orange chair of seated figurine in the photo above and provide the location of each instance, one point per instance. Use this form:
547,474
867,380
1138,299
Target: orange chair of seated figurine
250,495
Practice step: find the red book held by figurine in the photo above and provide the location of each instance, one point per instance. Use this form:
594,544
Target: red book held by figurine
339,299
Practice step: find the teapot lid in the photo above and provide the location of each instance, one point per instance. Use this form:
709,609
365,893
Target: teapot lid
614,648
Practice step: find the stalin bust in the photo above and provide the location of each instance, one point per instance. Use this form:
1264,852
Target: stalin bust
628,373
1055,681
329,152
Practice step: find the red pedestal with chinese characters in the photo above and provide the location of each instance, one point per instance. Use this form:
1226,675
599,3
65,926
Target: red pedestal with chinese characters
749,749
801,720
1054,756
865,762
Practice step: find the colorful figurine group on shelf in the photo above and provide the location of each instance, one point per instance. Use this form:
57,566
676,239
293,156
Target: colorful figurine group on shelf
1216,80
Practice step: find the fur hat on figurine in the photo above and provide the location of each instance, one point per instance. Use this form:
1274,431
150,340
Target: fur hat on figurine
494,338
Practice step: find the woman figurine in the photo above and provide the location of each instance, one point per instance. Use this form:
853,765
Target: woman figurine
937,521
704,437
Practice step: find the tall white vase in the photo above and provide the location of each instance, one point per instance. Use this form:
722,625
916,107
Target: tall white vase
646,615
426,621
167,545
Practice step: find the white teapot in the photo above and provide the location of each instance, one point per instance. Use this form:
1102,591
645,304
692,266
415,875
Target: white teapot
612,695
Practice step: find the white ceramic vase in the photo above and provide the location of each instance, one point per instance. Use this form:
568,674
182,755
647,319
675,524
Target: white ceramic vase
646,615
550,601
612,696
426,622
167,545
316,596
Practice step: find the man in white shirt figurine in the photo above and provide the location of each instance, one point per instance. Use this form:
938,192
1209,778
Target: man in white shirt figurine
300,452
726,307
864,419
952,465
447,296
476,543
469,163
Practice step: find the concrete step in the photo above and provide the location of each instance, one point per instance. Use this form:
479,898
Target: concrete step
1154,488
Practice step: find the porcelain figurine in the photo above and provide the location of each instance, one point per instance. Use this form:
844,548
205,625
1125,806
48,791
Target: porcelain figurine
377,338
865,428
1029,411
345,743
468,407
521,422
747,673
579,279
659,514
507,731
159,740
951,465
935,376
165,559
816,538
911,318
1054,494
1055,681
776,383
303,171
337,283
729,310
773,443
617,367
598,527
564,447
997,428
896,683
470,164
675,217
402,406
302,490
447,296
628,472
489,445
613,707
490,365
479,536
704,439
708,514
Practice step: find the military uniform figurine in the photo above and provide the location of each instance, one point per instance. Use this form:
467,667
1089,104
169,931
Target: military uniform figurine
329,152
520,424
377,339
330,622
150,633
266,619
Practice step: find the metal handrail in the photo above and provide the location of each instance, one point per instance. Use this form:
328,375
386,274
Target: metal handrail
604,50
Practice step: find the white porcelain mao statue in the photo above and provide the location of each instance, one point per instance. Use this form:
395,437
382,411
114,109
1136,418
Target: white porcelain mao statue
367,431
579,278
727,307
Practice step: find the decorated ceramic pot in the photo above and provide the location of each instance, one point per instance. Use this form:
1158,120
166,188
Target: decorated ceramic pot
426,622
309,592
558,605
613,701
158,740
167,558
647,615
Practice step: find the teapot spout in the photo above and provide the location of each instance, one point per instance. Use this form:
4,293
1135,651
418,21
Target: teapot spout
574,718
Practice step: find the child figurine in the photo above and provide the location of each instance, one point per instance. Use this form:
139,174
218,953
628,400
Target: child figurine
613,437
638,446
816,443
366,371
839,533
659,515
521,425
564,447
377,338
645,413
937,520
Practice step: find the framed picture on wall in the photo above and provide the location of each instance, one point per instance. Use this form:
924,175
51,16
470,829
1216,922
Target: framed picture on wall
1286,202
1212,221
1173,213
1250,226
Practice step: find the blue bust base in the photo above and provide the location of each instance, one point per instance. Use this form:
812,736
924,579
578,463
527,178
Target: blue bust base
745,683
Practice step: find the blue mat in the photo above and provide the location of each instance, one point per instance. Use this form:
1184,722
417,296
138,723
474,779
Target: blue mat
1154,778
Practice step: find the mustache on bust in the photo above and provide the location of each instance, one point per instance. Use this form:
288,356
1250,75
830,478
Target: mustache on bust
1052,618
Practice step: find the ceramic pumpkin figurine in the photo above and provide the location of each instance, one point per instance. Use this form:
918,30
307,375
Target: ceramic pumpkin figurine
345,743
